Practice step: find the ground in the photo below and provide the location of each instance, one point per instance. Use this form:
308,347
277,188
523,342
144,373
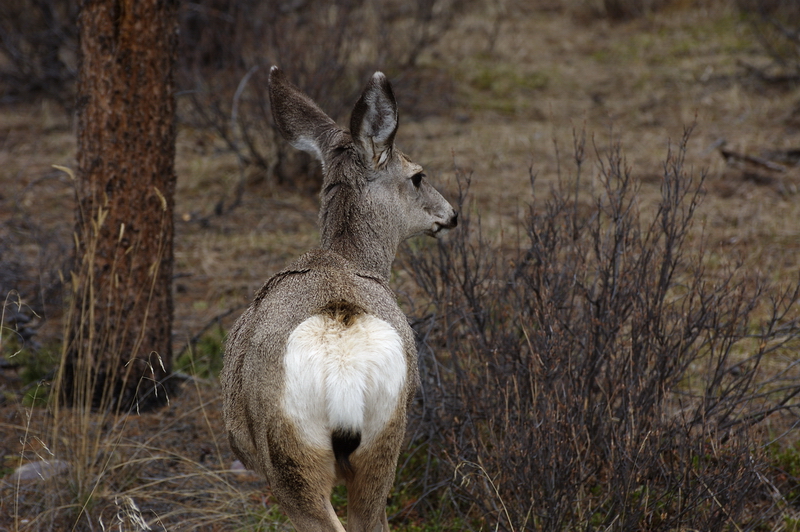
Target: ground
522,88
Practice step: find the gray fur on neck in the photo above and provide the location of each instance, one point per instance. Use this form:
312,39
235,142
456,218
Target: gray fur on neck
353,224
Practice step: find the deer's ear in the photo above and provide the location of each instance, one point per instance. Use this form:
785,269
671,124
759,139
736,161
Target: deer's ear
301,122
373,123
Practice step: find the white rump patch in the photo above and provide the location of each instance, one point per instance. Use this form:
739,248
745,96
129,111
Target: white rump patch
343,377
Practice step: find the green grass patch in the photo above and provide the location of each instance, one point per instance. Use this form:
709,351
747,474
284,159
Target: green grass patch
497,86
203,358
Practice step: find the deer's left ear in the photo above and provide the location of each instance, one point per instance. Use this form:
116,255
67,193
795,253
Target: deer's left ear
373,123
299,119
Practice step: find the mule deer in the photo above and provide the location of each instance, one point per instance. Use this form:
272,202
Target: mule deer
320,369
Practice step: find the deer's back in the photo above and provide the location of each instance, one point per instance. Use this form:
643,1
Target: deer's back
319,295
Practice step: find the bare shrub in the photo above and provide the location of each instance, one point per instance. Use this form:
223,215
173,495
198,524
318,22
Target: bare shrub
330,49
38,39
227,48
615,10
601,376
34,251
776,26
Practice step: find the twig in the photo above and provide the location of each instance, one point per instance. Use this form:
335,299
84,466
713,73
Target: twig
729,155
213,321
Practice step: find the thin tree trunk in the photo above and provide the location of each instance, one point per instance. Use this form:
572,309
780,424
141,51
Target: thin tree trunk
121,323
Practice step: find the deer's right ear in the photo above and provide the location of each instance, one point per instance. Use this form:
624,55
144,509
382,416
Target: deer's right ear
301,122
373,123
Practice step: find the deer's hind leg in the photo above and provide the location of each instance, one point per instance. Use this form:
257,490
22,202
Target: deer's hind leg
374,471
302,478
366,497
366,507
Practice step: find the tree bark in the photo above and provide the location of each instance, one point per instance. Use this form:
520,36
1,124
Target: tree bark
119,349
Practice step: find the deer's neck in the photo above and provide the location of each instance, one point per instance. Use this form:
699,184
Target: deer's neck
365,238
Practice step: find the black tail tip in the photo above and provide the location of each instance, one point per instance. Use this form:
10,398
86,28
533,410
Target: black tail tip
344,442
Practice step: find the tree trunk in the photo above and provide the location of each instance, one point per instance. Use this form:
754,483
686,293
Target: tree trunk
119,349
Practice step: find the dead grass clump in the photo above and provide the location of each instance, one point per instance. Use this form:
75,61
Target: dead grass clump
158,471
603,377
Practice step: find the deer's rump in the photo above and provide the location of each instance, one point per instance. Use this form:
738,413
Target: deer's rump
344,378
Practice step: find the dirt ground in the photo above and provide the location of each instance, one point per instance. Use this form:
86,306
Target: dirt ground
521,90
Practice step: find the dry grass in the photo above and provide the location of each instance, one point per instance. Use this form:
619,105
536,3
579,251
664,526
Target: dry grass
522,81
174,466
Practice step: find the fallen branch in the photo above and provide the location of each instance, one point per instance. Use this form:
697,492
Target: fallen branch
730,156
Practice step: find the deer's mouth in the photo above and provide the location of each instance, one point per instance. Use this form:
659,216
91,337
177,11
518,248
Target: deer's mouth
441,228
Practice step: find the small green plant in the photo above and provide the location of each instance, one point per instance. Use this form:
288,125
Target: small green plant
204,359
34,365
786,463
268,517
503,80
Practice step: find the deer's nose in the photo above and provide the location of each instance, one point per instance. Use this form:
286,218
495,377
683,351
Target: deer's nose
452,222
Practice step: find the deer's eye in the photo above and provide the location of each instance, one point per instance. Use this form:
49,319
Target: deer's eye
417,179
